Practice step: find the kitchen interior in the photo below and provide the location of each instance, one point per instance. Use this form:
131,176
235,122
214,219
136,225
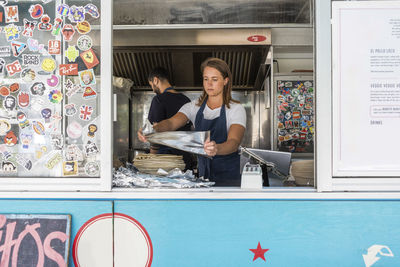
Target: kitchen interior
272,76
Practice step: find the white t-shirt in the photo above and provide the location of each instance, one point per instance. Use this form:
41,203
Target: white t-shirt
236,114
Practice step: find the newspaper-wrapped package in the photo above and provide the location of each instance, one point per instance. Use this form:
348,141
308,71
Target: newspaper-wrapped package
131,177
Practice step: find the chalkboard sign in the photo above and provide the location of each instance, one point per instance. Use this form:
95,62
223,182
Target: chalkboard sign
28,240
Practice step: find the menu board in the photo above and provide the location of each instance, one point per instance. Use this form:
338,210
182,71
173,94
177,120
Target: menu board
50,88
366,89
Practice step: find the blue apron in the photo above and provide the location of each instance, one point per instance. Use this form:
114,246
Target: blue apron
224,170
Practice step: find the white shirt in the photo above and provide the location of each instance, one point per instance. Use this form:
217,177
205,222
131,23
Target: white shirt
236,114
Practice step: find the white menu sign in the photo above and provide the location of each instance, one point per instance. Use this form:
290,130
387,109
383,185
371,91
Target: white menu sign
366,88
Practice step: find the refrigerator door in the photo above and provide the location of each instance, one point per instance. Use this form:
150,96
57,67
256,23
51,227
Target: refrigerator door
293,117
56,68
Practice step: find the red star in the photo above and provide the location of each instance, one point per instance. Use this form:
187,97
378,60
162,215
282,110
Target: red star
259,252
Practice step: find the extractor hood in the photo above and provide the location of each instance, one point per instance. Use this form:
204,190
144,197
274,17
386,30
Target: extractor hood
181,51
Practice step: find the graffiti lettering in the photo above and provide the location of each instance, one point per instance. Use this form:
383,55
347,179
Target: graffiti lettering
10,248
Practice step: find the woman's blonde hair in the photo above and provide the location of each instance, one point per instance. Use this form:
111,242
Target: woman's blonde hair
223,68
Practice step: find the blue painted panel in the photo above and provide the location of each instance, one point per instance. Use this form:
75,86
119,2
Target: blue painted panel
81,211
297,233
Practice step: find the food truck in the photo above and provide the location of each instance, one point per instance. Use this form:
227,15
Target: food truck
320,176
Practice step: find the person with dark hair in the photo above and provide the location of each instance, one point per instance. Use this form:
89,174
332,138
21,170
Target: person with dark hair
223,116
165,104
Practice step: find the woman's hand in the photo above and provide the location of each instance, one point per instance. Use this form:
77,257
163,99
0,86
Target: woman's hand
141,137
210,147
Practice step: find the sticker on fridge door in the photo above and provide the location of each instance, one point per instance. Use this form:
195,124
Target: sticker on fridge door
84,42
73,153
89,93
57,141
70,109
8,167
36,11
49,64
23,99
74,130
5,126
5,51
57,26
10,139
71,88
68,69
38,88
86,77
55,96
24,162
92,129
91,148
89,58
68,32
9,103
29,27
72,53
2,65
53,80
14,68
92,10
76,14
11,14
26,139
45,24
30,60
46,114
92,168
12,32
53,161
63,10
70,168
38,127
54,47
17,48
28,75
85,112
4,91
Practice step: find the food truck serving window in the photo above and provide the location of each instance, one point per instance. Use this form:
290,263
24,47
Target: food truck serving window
53,84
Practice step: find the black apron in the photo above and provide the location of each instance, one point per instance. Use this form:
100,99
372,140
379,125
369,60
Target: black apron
224,170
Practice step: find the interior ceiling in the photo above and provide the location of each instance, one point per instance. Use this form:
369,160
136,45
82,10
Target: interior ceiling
154,12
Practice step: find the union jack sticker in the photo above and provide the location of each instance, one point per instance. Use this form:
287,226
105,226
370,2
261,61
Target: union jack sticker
85,112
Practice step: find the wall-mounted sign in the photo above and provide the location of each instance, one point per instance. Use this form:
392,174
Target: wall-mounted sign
366,88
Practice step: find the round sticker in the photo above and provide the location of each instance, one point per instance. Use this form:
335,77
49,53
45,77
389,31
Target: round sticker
28,75
295,92
55,96
92,168
53,81
4,91
36,11
84,42
49,64
5,126
83,27
74,130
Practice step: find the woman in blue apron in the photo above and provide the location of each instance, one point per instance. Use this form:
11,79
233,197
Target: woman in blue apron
225,118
